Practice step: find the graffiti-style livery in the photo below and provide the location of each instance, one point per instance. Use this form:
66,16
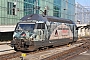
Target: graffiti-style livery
37,31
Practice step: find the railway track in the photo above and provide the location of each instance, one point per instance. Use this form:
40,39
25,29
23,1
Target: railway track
70,53
10,56
60,56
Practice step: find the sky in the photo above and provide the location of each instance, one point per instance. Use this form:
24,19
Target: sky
83,2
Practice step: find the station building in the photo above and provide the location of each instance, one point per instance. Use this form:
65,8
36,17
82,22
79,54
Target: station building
82,19
12,10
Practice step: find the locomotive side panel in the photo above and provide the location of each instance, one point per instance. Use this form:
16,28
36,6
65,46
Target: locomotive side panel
61,31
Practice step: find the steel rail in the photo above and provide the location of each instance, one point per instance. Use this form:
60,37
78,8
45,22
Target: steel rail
70,53
60,56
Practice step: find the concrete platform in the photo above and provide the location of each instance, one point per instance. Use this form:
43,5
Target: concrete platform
5,42
5,49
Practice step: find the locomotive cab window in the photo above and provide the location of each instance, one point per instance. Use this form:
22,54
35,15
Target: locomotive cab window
25,26
40,25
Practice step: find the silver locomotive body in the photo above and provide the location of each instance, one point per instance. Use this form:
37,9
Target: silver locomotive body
37,31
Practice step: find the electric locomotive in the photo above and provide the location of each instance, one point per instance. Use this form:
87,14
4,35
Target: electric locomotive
36,31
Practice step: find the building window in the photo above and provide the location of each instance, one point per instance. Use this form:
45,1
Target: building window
57,8
10,8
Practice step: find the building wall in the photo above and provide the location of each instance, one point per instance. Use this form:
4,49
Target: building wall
48,4
6,16
83,30
29,6
68,9
58,8
82,14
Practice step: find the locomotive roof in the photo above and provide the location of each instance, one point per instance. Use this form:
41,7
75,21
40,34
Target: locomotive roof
62,20
39,17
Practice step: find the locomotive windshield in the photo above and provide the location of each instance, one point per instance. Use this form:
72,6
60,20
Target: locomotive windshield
25,27
24,30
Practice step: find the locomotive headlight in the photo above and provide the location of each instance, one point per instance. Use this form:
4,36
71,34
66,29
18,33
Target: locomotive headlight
31,39
14,38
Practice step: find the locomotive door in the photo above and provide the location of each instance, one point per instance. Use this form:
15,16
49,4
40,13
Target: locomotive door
75,34
41,31
72,32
